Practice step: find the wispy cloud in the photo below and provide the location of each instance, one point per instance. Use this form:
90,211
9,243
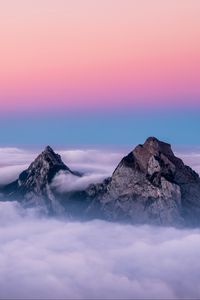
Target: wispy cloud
191,158
64,182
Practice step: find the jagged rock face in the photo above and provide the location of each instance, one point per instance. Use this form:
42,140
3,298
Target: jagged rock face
41,171
33,184
150,185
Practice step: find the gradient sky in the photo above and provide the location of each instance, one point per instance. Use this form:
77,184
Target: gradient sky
99,71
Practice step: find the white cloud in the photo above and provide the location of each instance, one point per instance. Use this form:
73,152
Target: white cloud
191,159
49,258
15,156
91,160
10,173
12,162
96,165
65,182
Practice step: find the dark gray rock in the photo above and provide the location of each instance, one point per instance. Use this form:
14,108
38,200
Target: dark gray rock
33,185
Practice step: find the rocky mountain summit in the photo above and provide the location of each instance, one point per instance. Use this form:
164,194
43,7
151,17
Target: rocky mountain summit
33,185
150,185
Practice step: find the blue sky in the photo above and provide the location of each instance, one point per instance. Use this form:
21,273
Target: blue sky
179,127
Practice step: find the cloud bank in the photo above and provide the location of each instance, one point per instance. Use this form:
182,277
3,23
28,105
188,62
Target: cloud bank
92,160
12,162
51,258
65,182
96,165
191,158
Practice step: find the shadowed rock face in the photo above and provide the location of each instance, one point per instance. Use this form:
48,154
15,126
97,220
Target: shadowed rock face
150,185
33,184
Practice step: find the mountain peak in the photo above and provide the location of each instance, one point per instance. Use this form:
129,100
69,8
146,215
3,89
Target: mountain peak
48,149
152,139
49,157
34,182
156,146
151,147
151,184
47,164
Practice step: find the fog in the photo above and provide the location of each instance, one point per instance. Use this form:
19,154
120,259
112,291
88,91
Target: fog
65,182
51,258
56,258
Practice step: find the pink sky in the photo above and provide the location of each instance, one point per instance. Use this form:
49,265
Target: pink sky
99,53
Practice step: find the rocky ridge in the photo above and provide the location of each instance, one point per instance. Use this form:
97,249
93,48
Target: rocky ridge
150,185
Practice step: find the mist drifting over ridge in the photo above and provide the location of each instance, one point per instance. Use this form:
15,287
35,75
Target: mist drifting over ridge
54,258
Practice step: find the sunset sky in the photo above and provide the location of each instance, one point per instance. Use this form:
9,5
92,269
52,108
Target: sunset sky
99,71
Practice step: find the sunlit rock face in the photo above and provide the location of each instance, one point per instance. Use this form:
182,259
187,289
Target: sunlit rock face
150,185
33,185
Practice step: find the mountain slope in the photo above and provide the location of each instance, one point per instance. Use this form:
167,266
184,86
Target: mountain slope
33,184
150,185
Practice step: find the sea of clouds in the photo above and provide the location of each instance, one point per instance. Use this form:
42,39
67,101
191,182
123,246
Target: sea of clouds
54,258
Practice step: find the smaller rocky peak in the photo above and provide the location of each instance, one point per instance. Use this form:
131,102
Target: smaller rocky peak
48,149
35,181
42,170
48,156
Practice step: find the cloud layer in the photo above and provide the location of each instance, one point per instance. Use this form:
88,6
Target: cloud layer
65,182
51,258
12,162
191,158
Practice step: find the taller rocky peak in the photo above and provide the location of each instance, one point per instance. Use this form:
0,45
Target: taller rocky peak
151,185
155,159
155,147
151,148
143,155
